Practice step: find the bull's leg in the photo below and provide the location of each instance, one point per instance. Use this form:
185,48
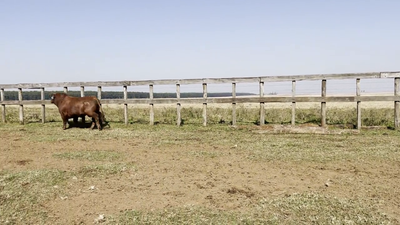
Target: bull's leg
75,119
65,121
93,123
96,118
98,123
101,119
83,118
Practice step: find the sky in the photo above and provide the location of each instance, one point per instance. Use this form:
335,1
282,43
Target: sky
97,40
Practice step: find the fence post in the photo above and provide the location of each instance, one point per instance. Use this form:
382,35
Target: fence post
358,93
205,104
397,103
3,106
82,91
293,103
151,95
178,105
65,90
262,108
21,107
83,95
234,104
99,98
323,103
43,105
125,105
99,92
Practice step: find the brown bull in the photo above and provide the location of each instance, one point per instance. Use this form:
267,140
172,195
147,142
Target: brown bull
74,107
103,118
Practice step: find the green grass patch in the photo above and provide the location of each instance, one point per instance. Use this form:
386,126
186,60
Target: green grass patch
185,215
370,145
22,193
205,154
105,169
315,208
220,115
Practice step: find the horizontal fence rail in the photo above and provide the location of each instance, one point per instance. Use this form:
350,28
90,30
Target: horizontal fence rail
221,100
204,100
206,80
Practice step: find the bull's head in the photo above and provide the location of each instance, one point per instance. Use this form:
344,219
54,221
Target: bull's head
57,97
52,98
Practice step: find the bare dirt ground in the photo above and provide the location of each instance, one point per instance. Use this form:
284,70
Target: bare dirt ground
183,169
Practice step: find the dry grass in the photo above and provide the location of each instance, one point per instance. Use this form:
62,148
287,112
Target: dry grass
373,114
25,194
364,165
299,208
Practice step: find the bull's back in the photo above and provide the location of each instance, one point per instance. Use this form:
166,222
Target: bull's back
90,107
78,106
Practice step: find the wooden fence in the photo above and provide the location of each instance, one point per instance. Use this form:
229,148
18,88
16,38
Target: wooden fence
261,99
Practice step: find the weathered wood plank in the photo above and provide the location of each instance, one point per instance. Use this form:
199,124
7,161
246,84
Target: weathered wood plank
204,104
21,107
262,107
389,74
338,76
82,91
151,95
293,103
43,105
178,105
358,93
2,95
256,99
83,95
233,104
27,102
397,103
125,105
99,92
323,104
3,106
65,84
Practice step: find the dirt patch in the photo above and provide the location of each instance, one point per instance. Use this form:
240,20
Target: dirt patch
23,162
212,175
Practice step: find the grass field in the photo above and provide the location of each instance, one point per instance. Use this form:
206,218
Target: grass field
218,174
373,114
